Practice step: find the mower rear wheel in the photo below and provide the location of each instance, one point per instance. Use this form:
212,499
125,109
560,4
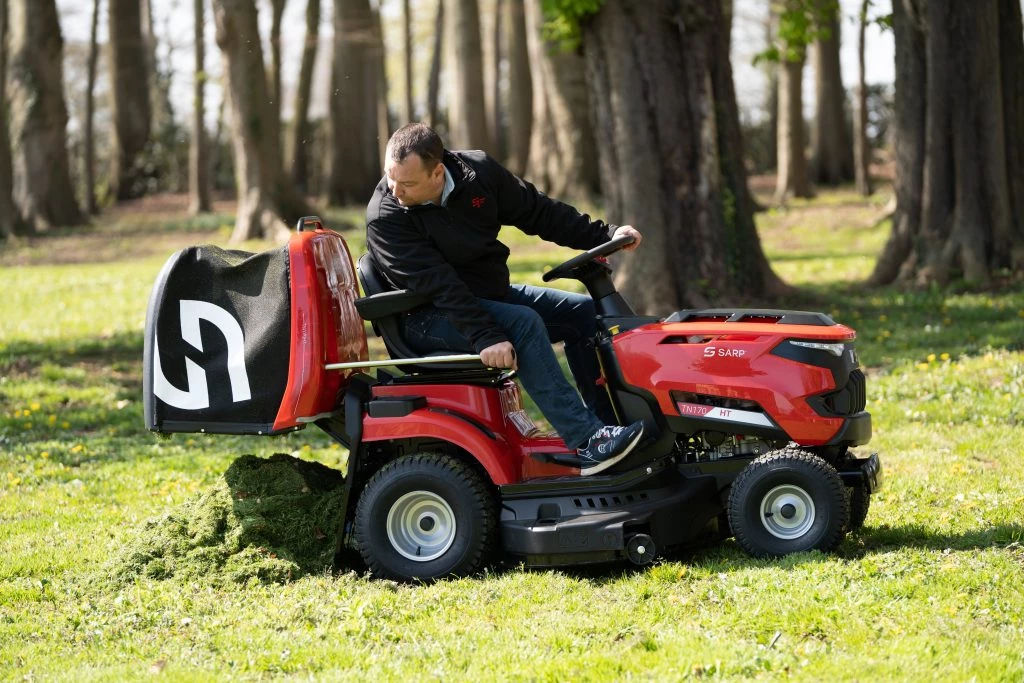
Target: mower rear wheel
788,501
424,517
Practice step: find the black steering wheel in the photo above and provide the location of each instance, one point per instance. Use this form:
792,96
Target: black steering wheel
565,269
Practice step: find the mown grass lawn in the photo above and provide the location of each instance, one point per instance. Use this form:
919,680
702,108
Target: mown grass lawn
931,588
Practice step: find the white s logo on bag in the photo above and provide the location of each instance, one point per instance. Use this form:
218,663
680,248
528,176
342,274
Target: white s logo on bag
197,394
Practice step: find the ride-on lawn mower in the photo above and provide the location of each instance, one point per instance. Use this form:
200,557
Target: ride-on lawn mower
749,415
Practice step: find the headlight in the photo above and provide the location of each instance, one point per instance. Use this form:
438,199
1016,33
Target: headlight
836,349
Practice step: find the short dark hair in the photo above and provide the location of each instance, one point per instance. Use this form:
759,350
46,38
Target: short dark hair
416,138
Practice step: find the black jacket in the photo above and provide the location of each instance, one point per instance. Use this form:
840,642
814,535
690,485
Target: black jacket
452,253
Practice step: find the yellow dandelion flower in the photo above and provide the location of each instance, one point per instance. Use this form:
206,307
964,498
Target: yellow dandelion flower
26,412
65,424
44,454
922,366
28,425
931,357
52,419
34,406
882,318
944,356
77,448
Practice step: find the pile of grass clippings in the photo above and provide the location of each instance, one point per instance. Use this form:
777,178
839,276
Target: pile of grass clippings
270,519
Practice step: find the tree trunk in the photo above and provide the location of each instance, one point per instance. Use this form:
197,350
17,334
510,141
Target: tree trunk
9,221
129,88
771,72
671,155
300,125
792,178
434,80
965,223
861,150
159,81
267,203
494,51
467,120
199,163
354,104
520,94
90,108
277,12
831,150
410,111
42,186
563,158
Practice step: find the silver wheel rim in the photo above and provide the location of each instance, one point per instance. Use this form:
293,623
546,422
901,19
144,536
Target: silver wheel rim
421,526
787,512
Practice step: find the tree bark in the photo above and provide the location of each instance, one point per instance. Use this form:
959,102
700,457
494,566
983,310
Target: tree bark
159,81
355,103
831,150
267,203
434,80
9,219
563,158
792,180
861,150
495,100
199,163
277,12
410,111
671,156
300,125
965,223
467,120
42,186
90,108
130,92
520,87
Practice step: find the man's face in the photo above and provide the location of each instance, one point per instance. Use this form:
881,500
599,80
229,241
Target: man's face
411,183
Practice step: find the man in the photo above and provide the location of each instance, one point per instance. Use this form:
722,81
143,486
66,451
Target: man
432,227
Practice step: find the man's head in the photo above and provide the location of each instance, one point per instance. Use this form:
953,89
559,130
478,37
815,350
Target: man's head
413,165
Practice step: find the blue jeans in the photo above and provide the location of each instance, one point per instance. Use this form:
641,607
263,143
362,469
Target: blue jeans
534,318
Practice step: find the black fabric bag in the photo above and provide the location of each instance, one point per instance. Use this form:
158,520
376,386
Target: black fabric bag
217,341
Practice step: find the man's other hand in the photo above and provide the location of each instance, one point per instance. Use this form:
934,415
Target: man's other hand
500,355
624,230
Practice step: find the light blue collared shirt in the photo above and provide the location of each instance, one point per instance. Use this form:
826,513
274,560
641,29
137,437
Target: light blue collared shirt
449,185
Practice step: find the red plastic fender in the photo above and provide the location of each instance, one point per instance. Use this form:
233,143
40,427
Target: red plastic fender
490,450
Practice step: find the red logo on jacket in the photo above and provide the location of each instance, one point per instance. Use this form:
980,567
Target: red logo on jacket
477,202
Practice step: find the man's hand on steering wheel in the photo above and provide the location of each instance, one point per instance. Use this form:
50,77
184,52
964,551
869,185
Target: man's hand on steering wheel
624,230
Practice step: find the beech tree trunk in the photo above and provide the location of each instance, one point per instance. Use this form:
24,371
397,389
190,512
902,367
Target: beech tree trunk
90,109
300,125
407,47
434,80
966,220
520,88
357,90
42,186
267,202
792,180
159,81
277,12
130,93
467,119
563,158
199,162
671,155
861,149
831,150
9,222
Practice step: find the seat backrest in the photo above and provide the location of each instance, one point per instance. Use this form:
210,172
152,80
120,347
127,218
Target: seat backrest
389,329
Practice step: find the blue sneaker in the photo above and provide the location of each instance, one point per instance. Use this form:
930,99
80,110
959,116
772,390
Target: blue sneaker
608,446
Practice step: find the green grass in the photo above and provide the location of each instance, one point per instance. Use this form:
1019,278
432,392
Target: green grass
929,589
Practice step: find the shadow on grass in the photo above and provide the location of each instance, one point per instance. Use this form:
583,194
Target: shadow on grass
871,540
20,356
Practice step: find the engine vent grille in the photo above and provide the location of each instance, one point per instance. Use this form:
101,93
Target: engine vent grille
599,502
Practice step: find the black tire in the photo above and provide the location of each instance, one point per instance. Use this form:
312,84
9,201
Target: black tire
424,517
788,501
860,502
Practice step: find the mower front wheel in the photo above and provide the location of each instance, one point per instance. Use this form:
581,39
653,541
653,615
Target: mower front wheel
788,501
424,517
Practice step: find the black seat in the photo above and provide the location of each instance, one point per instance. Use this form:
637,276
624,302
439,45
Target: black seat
382,306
